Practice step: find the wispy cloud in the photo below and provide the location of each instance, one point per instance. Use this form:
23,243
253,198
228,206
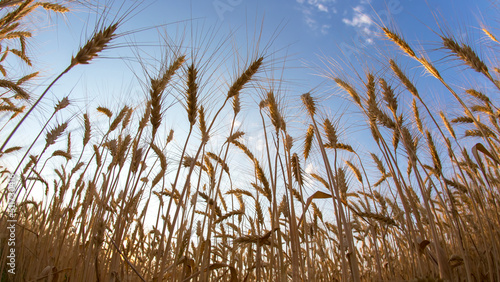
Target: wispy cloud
359,19
362,22
315,11
320,5
325,28
311,168
318,15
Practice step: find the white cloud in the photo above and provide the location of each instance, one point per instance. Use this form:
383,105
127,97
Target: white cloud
311,23
322,5
314,12
257,143
362,22
311,168
325,28
261,145
359,19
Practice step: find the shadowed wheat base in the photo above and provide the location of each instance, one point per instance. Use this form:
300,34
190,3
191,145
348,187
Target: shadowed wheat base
133,202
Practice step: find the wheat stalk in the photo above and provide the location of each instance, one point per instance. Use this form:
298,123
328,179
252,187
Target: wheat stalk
87,128
107,112
203,126
236,104
435,156
416,116
156,93
192,94
394,37
114,124
466,54
404,79
478,95
55,133
20,93
356,171
94,45
463,119
447,125
308,141
348,88
490,35
27,77
244,78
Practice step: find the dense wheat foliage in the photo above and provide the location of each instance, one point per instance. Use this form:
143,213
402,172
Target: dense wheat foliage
118,195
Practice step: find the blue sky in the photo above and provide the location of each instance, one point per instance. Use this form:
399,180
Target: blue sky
308,29
302,32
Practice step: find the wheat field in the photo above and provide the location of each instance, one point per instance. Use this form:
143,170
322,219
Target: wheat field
121,194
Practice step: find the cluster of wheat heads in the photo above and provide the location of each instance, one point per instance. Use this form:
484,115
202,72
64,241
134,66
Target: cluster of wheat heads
443,180
137,201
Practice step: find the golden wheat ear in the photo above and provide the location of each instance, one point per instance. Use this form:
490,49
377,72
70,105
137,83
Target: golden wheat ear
192,94
20,93
398,40
465,53
308,141
90,50
244,78
95,45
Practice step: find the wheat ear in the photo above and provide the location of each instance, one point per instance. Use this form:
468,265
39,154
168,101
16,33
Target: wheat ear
308,141
192,94
244,78
466,54
94,46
